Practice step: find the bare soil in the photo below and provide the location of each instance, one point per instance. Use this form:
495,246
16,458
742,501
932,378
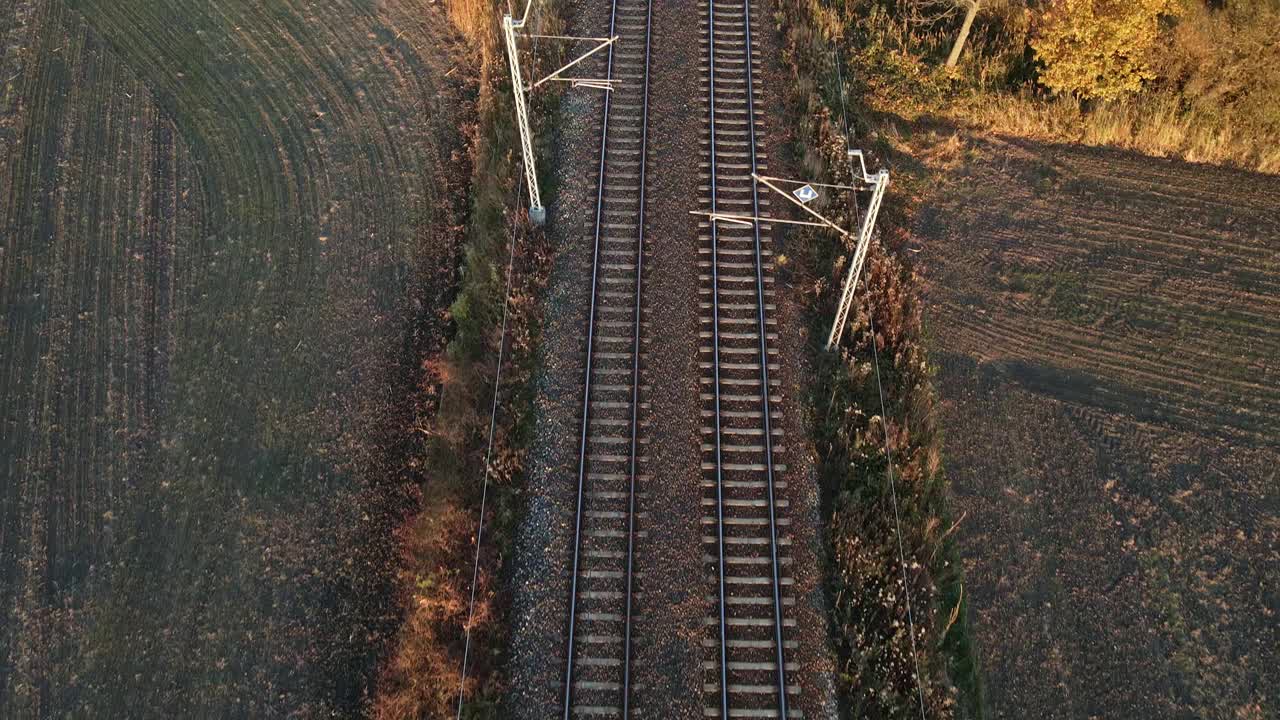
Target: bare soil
1105,327
226,237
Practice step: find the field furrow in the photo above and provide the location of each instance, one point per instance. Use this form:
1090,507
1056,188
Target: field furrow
1108,343
226,228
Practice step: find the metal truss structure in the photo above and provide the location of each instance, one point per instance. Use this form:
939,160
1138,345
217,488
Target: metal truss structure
520,92
878,184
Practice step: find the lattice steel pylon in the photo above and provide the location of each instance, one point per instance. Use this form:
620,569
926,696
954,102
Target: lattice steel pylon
879,183
519,92
537,213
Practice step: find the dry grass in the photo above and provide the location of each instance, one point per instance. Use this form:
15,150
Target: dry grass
1153,125
1214,98
477,20
420,675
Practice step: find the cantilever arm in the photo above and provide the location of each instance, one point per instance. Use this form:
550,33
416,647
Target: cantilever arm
603,44
750,220
825,222
808,182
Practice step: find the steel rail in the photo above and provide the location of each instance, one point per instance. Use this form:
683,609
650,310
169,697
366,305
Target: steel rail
764,379
715,364
762,327
586,389
636,327
635,370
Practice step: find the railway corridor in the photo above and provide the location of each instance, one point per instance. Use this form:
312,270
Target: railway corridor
680,599
745,544
605,595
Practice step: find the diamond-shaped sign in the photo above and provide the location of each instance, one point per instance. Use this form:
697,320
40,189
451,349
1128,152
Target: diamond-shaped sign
805,194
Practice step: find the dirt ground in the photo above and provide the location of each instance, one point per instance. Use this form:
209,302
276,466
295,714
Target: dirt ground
225,237
1109,364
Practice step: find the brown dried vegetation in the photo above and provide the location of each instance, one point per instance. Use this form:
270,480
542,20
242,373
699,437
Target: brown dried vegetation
876,602
421,676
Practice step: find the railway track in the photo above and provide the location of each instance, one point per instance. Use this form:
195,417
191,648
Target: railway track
604,596
745,539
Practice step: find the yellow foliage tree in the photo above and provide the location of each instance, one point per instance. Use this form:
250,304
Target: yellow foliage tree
1099,48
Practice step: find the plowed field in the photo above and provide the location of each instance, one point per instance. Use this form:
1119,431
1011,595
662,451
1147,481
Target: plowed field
225,228
1106,327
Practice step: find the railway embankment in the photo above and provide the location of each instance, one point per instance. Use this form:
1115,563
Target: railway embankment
474,402
698,642
899,615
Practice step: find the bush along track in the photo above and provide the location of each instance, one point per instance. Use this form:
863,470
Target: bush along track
873,614
420,677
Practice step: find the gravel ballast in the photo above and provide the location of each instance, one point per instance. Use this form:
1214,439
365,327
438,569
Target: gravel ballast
676,587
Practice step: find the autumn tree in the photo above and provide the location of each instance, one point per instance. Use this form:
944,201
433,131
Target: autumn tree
1099,48
934,11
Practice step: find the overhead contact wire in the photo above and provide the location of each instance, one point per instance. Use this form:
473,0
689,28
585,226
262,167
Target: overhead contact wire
586,392
884,423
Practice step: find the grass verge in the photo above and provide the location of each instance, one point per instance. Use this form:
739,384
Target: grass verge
420,676
872,624
1156,125
1211,98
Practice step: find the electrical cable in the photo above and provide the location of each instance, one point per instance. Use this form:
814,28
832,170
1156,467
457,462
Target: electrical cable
884,423
893,492
484,492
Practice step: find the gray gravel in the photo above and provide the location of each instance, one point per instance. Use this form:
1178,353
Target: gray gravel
540,580
675,584
675,578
